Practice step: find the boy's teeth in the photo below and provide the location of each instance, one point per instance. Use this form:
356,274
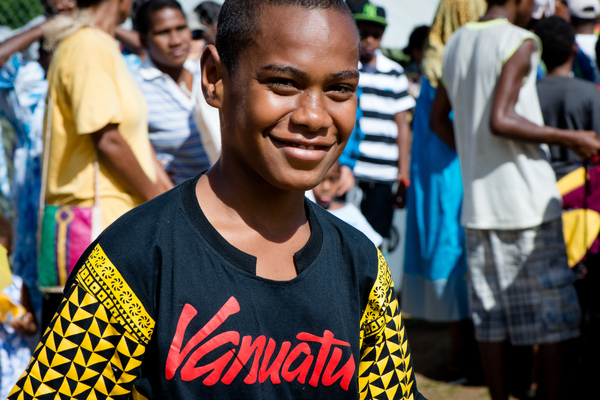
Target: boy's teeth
306,148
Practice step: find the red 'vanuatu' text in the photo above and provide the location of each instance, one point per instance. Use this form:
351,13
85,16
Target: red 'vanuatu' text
324,368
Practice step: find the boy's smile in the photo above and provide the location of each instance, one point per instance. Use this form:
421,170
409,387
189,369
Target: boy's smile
289,107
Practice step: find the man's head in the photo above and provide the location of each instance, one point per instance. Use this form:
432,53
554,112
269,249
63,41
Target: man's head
284,78
584,12
558,41
6,233
416,42
522,9
326,191
65,7
371,23
164,32
123,7
208,15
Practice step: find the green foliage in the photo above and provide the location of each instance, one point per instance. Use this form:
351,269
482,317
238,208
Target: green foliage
15,13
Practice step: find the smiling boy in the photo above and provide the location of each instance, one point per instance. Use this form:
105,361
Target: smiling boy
233,285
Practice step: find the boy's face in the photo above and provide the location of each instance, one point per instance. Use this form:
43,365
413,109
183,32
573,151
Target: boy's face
288,109
326,191
370,39
168,41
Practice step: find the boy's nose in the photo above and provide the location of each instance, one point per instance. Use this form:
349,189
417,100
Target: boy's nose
311,113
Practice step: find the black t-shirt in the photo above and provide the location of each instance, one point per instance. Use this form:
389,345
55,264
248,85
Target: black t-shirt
568,103
163,306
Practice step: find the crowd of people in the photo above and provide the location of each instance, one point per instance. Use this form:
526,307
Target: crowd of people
159,184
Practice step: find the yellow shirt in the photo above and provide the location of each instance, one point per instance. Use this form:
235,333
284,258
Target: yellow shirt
91,87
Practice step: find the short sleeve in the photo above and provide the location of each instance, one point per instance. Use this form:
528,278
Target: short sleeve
385,367
90,80
94,345
94,99
403,100
595,111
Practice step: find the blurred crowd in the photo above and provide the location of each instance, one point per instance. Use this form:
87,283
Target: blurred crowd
106,118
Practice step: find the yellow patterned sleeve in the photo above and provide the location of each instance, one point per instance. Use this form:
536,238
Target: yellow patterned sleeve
94,345
385,369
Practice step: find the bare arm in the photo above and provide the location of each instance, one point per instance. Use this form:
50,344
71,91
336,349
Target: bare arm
27,324
19,42
439,119
163,180
403,140
131,40
115,153
507,123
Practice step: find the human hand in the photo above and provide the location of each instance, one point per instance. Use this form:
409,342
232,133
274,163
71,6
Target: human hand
400,195
24,325
585,144
346,180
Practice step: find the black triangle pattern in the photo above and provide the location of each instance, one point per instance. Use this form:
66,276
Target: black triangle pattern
71,361
101,278
385,369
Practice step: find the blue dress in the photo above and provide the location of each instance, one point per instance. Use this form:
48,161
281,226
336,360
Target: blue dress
23,89
434,284
14,352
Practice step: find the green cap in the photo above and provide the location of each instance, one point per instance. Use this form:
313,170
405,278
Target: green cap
370,13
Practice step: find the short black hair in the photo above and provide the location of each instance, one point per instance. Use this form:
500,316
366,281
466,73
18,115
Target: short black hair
6,230
143,15
417,39
239,23
496,2
208,12
87,3
557,37
576,21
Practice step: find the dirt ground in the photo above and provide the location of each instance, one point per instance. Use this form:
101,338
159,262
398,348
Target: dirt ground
430,348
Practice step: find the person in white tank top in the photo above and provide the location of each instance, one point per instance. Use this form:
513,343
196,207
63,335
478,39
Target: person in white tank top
511,208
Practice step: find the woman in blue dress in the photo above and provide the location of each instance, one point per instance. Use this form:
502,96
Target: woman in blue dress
434,285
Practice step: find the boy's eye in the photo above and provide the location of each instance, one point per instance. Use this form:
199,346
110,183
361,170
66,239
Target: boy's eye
282,86
341,92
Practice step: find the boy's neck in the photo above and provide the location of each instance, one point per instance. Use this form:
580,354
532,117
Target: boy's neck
584,29
271,225
371,62
507,10
105,16
335,205
258,206
176,73
565,70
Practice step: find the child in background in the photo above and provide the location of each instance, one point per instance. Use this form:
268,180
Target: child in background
17,320
325,196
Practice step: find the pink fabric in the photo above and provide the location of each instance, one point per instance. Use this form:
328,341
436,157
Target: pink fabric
79,235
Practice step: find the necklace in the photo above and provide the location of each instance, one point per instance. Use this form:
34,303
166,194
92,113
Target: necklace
184,89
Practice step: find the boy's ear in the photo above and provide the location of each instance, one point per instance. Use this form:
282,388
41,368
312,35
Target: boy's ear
212,76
